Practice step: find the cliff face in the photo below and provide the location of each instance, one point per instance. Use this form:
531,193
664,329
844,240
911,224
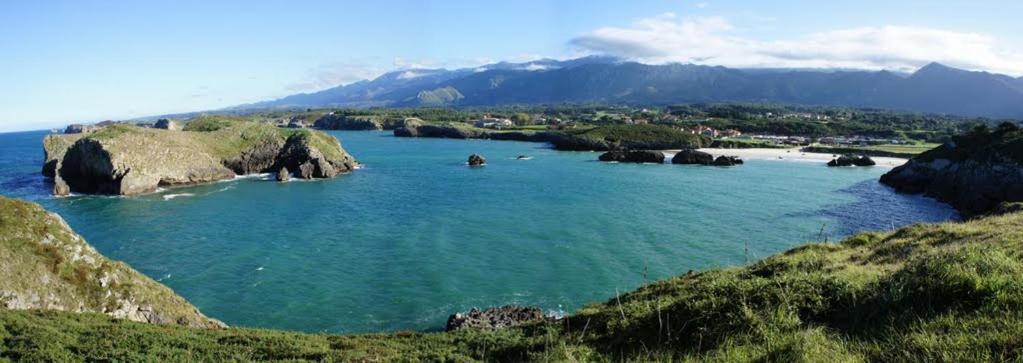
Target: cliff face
128,160
976,173
342,122
46,265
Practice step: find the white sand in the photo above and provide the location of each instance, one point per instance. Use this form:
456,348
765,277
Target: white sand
787,155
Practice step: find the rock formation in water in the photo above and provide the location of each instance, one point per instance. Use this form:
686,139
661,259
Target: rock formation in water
852,160
46,265
494,318
691,156
976,173
477,160
633,156
727,161
283,175
129,160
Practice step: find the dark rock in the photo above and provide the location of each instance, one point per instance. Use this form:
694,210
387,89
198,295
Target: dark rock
166,125
727,161
494,318
522,157
852,160
626,156
283,175
258,159
691,156
477,160
341,122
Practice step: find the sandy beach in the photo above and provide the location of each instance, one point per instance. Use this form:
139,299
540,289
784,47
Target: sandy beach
793,154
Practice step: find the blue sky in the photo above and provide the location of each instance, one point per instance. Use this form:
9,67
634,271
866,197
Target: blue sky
64,61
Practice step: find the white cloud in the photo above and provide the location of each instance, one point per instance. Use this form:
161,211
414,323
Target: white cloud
714,41
334,74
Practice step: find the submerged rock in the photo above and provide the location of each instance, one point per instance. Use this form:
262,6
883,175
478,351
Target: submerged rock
692,156
626,156
477,160
494,318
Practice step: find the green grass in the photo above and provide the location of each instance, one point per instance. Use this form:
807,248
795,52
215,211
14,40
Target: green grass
41,257
641,136
942,292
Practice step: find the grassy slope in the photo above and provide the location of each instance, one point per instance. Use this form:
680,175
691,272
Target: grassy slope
946,292
46,265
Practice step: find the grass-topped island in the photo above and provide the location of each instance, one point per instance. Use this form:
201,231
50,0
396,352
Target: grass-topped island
127,159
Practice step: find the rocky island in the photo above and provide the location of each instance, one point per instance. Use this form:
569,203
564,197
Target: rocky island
130,160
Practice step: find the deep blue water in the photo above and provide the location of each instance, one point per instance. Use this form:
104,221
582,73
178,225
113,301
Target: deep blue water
417,235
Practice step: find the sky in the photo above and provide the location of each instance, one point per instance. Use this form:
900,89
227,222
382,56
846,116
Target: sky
91,60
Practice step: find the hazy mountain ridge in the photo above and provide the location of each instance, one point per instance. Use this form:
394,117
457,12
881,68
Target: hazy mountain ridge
934,88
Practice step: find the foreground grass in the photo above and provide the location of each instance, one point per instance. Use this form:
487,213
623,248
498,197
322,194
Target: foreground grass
946,292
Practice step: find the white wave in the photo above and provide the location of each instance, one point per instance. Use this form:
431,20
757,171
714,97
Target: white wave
260,268
171,196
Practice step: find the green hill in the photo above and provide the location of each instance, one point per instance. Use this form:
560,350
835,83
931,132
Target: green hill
942,292
46,265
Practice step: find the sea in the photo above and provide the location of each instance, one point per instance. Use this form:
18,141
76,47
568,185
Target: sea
416,235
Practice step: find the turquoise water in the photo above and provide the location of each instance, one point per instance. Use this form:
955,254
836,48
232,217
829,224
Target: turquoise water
417,235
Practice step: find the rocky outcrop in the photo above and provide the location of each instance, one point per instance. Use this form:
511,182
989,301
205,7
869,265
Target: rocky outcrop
368,122
477,160
977,173
81,129
283,175
416,128
971,186
852,160
166,124
727,161
494,318
128,160
629,156
691,156
46,265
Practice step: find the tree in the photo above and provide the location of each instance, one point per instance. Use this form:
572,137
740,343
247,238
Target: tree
520,119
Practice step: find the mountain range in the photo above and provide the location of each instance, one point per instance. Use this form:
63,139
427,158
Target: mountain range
934,88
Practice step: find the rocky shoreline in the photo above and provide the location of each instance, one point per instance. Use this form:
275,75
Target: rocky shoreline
977,173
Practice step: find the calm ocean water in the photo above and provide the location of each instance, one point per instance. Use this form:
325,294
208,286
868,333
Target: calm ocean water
417,235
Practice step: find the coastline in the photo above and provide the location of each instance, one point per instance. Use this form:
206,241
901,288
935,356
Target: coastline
793,154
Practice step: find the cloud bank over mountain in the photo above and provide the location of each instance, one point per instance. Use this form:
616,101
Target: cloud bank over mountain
715,41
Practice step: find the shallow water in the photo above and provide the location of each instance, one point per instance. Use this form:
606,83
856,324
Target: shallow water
416,234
